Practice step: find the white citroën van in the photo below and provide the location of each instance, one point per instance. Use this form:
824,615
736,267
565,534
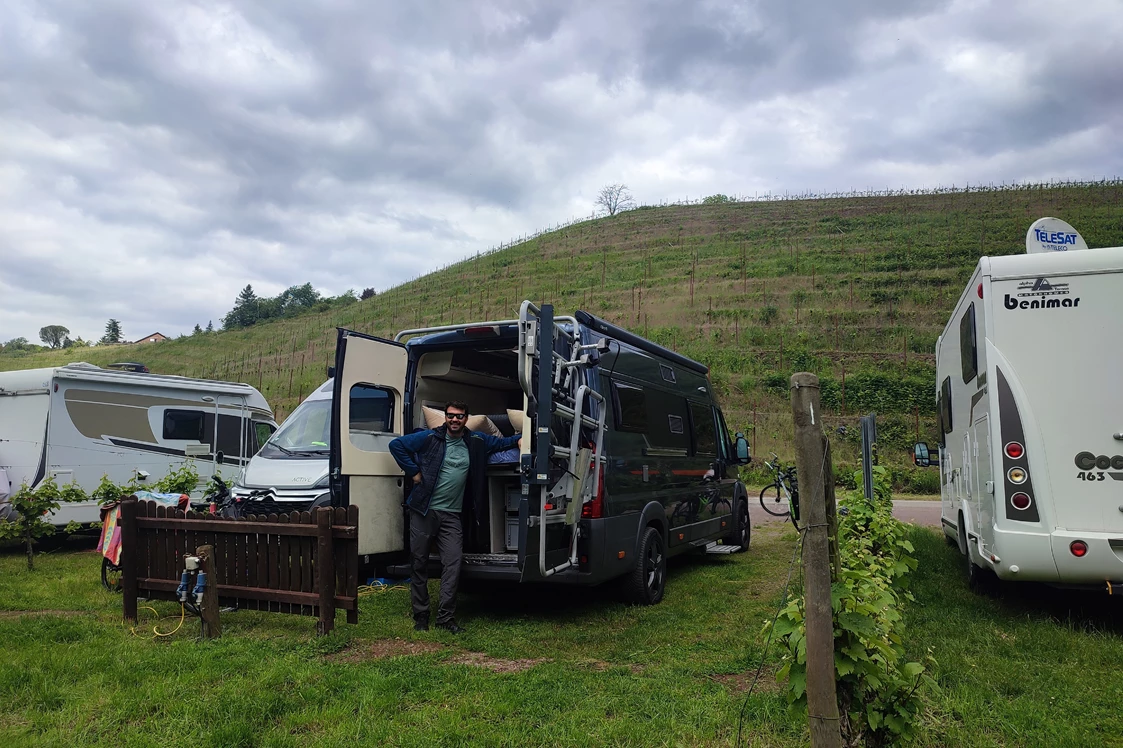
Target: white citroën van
1030,414
293,465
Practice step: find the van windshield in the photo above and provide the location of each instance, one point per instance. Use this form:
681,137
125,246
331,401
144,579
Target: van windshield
305,433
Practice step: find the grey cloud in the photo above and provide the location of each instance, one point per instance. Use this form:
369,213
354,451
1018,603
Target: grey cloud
350,143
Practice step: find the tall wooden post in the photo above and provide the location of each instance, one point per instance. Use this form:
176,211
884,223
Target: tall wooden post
822,701
325,571
128,558
212,625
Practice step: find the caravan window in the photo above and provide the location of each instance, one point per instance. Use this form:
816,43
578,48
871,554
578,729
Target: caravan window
968,350
666,418
183,424
630,406
705,438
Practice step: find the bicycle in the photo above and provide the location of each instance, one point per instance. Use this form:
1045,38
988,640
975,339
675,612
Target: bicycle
781,498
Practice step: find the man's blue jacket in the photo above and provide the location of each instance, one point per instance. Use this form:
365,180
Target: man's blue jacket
424,451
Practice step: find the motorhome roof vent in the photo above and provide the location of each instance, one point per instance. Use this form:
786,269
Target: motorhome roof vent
81,365
130,366
1053,235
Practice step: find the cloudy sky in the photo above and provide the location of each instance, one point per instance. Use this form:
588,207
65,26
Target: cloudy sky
157,156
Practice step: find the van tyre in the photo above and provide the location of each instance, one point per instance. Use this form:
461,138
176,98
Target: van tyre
741,533
644,585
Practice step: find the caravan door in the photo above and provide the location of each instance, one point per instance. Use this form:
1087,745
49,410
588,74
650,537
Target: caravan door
367,413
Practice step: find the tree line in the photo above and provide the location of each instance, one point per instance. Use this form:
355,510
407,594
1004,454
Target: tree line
250,309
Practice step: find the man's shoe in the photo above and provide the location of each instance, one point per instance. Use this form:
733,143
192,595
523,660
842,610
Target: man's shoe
451,627
420,625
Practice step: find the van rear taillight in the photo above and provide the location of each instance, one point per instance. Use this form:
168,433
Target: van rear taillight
1014,450
595,508
1021,500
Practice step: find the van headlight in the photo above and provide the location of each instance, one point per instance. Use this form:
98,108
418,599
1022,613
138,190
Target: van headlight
323,482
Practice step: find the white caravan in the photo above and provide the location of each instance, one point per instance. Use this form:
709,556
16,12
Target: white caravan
293,465
1030,412
79,422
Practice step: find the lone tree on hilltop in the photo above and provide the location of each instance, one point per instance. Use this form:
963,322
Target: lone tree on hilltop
615,198
112,332
247,309
198,330
53,335
367,293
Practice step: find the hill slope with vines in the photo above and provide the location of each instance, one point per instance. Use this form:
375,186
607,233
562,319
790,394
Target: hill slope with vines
854,289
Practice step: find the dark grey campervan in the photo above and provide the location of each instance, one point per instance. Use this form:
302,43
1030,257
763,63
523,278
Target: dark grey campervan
628,459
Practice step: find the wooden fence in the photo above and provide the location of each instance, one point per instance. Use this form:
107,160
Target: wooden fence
305,563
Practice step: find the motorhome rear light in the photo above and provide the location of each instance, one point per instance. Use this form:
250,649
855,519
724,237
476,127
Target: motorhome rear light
1021,500
980,290
1079,548
482,331
1014,450
1016,475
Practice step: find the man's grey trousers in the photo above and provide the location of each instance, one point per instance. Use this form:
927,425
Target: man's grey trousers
446,528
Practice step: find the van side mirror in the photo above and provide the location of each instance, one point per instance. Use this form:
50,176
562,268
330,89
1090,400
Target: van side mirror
331,372
742,447
921,457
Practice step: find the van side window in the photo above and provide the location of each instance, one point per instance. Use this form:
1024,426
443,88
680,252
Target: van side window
372,415
705,437
666,419
968,349
630,406
183,424
667,373
945,405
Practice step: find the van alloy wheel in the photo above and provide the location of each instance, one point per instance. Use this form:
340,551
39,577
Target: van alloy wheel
646,582
742,532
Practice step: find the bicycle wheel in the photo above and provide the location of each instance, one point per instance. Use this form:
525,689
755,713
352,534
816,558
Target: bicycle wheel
773,501
110,575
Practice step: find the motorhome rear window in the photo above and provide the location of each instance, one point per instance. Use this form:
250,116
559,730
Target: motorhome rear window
630,405
968,350
705,438
183,424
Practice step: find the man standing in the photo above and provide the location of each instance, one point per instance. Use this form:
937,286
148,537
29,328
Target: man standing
447,465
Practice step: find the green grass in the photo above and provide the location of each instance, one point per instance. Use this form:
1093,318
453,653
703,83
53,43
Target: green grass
611,675
1028,667
1032,666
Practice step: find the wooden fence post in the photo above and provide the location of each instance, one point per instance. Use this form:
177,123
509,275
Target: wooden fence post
212,625
128,557
822,700
325,571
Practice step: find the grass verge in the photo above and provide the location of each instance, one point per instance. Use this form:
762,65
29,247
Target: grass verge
543,667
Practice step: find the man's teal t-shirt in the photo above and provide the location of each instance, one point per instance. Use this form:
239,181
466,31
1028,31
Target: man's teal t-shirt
448,495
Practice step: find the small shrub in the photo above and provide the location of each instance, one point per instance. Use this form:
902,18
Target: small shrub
922,481
32,508
767,314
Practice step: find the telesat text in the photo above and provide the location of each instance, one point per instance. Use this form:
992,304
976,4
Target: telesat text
1055,237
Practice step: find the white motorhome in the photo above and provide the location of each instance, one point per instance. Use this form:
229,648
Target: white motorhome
293,464
1030,414
79,422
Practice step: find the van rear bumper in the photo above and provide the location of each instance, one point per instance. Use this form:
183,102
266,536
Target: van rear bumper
495,572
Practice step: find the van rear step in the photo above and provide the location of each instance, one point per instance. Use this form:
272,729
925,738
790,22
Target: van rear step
716,547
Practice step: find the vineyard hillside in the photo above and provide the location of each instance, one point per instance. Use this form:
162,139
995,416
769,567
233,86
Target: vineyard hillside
854,289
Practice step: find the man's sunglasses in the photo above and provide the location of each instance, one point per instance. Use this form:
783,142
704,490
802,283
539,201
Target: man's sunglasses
456,416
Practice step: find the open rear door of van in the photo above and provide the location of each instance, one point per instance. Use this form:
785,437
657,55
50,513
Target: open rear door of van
367,413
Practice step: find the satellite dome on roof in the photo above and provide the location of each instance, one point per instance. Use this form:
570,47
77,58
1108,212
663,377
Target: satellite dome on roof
1053,235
